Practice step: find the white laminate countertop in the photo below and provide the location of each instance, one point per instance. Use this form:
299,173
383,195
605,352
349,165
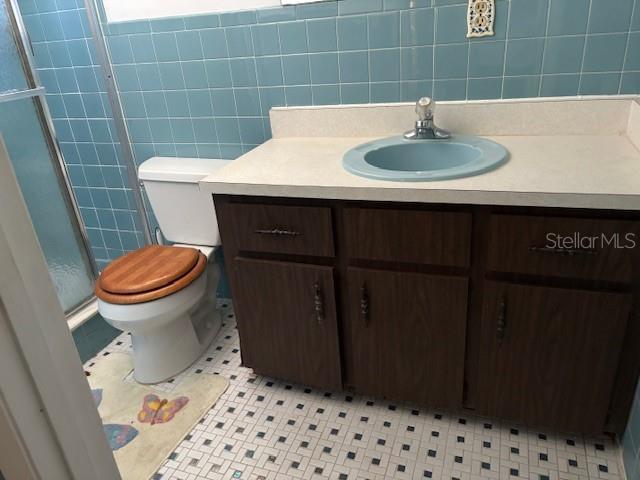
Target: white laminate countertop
600,171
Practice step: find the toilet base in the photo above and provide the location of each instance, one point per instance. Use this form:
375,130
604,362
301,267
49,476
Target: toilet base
162,353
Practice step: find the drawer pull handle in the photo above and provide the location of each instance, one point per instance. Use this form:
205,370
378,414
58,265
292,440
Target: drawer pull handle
318,302
502,320
278,232
364,304
567,252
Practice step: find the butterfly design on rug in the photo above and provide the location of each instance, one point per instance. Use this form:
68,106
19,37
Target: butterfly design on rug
119,435
156,410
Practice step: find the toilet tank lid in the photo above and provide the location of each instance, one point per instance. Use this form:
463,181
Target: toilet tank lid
178,169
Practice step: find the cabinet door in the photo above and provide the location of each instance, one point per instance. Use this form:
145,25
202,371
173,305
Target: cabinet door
405,336
287,321
549,356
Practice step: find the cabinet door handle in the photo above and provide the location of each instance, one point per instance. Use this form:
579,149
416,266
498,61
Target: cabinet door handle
364,304
277,232
318,302
567,252
502,320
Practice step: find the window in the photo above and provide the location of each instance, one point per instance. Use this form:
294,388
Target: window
126,10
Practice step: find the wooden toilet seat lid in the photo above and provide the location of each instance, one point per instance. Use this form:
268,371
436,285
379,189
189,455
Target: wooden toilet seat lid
133,298
147,268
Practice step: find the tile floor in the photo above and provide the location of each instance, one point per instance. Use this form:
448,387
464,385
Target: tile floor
263,428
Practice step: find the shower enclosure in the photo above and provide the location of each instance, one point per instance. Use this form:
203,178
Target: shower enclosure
25,126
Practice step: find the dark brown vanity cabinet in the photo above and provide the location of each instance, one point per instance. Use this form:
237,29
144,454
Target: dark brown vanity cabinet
288,327
455,307
404,336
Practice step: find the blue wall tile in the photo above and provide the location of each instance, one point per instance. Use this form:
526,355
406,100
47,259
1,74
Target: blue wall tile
243,72
384,30
450,27
324,68
417,63
293,37
296,70
354,67
521,87
417,27
632,60
484,88
604,53
165,46
214,43
348,7
560,85
352,33
321,35
599,83
384,65
486,59
451,61
524,57
563,54
568,17
528,19
269,70
265,39
239,41
354,93
450,89
608,17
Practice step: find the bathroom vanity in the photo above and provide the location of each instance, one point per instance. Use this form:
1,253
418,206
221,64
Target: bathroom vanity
512,294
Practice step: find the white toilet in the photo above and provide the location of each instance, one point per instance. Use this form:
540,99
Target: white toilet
166,295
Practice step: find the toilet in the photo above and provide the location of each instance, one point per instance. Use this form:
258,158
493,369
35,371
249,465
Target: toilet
165,296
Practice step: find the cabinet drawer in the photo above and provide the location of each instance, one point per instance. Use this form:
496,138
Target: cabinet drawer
280,229
562,247
435,238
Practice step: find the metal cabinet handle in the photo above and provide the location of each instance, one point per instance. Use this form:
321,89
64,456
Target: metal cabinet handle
318,302
567,252
278,232
502,320
364,304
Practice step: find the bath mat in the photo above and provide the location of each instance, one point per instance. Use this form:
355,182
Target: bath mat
143,425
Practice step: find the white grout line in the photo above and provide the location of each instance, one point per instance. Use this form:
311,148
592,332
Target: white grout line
544,46
626,48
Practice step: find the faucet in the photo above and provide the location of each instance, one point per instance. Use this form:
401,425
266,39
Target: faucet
425,128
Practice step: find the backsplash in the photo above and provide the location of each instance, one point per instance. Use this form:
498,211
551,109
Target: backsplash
203,85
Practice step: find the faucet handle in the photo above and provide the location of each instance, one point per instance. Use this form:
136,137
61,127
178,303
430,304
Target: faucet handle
424,108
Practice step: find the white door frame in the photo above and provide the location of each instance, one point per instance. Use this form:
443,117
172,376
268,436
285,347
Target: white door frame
42,383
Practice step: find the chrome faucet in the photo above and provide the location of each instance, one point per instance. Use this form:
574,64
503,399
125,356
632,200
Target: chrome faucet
425,128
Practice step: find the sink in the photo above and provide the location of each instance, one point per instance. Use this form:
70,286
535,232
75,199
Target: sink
399,159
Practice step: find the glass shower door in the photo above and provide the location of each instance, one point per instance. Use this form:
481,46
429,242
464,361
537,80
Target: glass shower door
29,141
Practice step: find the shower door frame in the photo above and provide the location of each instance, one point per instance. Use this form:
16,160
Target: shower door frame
37,92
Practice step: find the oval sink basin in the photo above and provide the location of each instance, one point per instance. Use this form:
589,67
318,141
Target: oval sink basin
399,159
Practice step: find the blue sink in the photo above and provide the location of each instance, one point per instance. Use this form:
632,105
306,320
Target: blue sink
399,159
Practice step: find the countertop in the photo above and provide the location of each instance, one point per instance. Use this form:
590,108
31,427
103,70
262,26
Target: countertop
571,171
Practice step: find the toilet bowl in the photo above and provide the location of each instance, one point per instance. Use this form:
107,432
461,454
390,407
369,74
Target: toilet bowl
165,296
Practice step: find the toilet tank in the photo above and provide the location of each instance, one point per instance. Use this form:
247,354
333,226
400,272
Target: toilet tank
185,214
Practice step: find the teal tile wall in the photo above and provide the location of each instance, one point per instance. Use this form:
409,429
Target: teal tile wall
203,85
76,95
